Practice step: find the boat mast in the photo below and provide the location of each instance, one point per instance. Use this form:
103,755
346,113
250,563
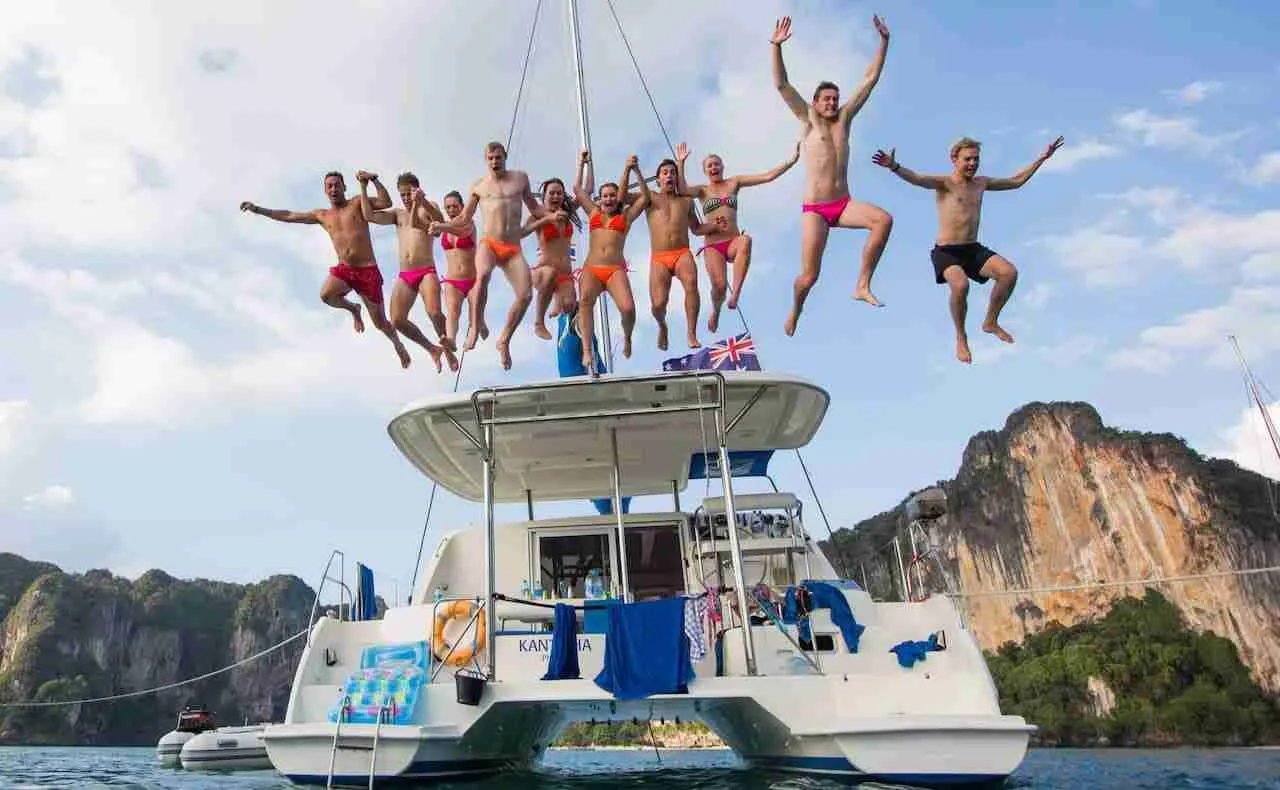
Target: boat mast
584,127
1257,399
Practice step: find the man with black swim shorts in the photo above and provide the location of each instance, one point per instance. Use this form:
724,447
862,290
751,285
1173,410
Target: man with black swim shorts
957,255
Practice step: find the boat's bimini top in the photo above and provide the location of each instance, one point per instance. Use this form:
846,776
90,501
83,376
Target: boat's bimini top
553,439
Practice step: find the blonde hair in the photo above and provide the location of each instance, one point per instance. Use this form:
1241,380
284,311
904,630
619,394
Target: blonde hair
963,143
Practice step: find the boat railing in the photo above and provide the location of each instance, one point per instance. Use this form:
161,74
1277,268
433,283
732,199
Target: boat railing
346,601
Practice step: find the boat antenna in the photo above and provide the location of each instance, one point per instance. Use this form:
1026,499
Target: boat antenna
457,379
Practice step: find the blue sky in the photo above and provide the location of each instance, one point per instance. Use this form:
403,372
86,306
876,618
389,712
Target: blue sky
173,394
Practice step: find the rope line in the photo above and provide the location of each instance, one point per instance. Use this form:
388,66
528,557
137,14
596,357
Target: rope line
524,72
640,74
1125,583
165,687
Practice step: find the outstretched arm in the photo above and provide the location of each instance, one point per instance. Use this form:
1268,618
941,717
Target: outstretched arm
460,223
282,215
530,202
872,76
376,216
699,228
1024,175
764,178
682,186
584,183
638,206
383,198
422,212
910,176
782,32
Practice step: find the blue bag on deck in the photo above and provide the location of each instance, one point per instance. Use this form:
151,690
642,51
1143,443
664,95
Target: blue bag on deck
646,650
562,664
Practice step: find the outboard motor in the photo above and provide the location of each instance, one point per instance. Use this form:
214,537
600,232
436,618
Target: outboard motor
927,505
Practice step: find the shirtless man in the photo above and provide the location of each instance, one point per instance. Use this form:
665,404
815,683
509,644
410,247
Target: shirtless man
957,255
825,125
356,270
417,264
499,195
671,217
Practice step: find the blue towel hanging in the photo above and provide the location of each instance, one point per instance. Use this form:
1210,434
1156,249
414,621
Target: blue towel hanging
646,650
562,664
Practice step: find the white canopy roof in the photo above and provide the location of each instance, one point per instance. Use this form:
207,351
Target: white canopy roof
552,438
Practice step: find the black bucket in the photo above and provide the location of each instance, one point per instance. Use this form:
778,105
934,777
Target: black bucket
470,685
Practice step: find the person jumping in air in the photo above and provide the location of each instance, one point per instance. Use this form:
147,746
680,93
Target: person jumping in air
553,273
825,125
725,242
417,265
605,268
499,194
671,217
356,270
957,255
460,276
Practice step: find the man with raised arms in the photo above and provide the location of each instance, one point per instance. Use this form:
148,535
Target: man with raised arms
357,270
671,217
825,125
957,255
499,195
418,274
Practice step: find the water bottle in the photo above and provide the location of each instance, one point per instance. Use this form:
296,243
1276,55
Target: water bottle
537,589
524,589
593,584
437,595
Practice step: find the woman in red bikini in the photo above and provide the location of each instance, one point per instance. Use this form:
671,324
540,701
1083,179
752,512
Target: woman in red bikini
720,207
553,273
605,267
460,276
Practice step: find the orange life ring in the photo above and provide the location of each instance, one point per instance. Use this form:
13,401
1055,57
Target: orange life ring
462,653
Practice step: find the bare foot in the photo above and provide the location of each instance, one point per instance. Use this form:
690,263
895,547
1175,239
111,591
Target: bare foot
357,321
962,350
586,363
626,346
471,341
863,294
484,331
790,326
732,304
451,359
435,352
504,354
693,341
662,335
713,321
448,343
996,330
403,352
541,331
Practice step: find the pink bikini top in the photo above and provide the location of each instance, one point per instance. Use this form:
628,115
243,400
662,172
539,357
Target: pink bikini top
457,242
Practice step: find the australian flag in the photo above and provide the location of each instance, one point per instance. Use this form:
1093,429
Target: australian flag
735,353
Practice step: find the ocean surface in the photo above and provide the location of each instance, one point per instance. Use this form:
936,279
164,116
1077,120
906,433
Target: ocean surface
32,768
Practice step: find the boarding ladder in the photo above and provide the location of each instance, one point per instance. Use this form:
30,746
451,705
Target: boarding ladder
383,711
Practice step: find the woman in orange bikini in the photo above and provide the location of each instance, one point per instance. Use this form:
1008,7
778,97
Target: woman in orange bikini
553,273
605,267
460,276
720,208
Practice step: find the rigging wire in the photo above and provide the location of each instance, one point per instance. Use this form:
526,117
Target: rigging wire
640,74
524,73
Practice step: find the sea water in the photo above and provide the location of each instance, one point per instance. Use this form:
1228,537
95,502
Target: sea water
32,768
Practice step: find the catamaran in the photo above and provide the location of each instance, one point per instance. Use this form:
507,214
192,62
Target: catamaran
724,610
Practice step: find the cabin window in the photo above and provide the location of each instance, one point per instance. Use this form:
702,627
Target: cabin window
564,561
655,568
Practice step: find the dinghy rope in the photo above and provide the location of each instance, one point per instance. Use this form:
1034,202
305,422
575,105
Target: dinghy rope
165,687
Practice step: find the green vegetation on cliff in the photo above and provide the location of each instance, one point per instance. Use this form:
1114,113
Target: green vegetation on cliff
1170,685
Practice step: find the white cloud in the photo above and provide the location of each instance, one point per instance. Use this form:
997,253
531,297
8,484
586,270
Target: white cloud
1071,156
1194,92
50,498
1037,296
1247,443
1177,133
1100,257
1267,169
13,414
1262,266
1253,313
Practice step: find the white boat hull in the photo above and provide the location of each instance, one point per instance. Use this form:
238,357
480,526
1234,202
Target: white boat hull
226,749
170,746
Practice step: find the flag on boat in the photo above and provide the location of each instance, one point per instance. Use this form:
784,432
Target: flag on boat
734,353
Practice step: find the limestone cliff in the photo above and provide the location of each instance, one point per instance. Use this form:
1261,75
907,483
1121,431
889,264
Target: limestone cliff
68,636
1058,499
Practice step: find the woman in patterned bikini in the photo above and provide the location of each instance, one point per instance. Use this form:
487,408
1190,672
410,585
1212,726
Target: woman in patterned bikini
553,273
605,268
720,207
460,271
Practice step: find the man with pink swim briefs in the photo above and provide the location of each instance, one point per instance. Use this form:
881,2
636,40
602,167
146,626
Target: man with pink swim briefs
417,265
357,270
827,204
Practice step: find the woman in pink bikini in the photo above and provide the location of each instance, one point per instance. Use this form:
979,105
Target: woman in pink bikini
460,276
606,268
720,207
553,274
